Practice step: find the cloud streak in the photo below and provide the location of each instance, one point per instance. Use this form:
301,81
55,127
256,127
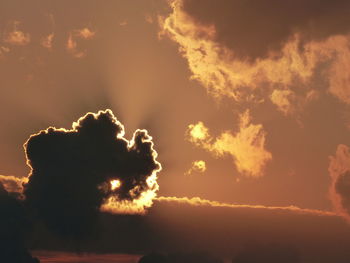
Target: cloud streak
197,201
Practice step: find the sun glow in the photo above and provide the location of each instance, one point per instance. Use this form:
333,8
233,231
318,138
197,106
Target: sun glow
115,184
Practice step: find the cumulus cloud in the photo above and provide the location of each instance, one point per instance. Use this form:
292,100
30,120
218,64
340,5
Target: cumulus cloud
74,37
15,36
73,173
198,166
248,50
339,170
246,147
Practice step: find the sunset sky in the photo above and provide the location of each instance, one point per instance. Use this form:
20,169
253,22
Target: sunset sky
245,110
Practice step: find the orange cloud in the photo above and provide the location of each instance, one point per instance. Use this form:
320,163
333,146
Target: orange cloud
16,37
197,201
74,37
197,167
246,147
46,42
284,77
13,184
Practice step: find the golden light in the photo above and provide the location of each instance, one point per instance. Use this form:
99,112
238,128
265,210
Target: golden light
115,184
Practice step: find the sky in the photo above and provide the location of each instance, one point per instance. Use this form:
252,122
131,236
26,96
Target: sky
167,112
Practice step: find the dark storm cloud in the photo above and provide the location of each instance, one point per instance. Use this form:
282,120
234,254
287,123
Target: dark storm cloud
253,28
72,170
13,228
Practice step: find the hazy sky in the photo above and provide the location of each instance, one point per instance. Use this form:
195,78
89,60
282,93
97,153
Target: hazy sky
247,101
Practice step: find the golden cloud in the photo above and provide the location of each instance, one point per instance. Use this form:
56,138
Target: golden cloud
198,166
73,38
278,76
197,201
16,37
246,147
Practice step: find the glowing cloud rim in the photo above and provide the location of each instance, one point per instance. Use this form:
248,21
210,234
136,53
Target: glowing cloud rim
113,204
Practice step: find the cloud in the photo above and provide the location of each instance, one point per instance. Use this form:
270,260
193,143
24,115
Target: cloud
197,201
246,147
14,226
46,42
72,171
15,36
197,167
255,52
339,170
13,184
75,36
254,29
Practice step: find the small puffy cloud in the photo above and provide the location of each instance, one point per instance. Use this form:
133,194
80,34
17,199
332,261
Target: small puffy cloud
46,42
74,37
15,36
197,167
198,133
246,147
85,33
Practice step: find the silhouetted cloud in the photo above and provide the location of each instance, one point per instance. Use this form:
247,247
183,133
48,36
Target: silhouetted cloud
73,173
14,225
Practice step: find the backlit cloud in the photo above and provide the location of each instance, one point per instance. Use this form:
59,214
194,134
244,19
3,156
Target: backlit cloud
73,173
270,60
